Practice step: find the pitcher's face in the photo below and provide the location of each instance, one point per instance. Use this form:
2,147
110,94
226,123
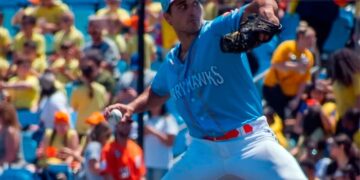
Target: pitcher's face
185,16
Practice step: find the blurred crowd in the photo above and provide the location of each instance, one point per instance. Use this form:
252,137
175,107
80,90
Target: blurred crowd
311,95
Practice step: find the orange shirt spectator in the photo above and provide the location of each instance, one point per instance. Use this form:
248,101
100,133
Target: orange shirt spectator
124,162
123,157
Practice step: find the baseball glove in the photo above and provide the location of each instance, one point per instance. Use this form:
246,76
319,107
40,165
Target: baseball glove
248,35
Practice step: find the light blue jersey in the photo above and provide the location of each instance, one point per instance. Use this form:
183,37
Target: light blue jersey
213,91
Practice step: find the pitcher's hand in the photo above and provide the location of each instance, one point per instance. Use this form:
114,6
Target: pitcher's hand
126,110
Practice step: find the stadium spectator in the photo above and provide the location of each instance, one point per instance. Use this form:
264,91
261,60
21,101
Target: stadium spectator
89,96
106,46
48,14
102,75
10,135
66,67
113,8
124,158
351,125
24,88
289,73
5,40
114,28
149,44
211,9
345,73
316,103
58,139
38,62
160,131
52,100
345,164
68,32
99,136
28,33
126,89
153,14
276,125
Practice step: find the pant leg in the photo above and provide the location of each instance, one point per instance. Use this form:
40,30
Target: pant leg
264,158
200,161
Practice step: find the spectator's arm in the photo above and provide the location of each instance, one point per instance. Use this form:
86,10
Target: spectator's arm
73,144
290,66
167,139
94,167
16,20
20,85
12,145
41,151
47,27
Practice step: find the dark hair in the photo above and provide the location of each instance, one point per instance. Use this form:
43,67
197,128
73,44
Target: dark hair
21,59
93,55
312,120
343,139
97,131
344,64
309,164
30,44
28,19
352,115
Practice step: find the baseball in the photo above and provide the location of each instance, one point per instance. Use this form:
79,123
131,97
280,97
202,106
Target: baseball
115,116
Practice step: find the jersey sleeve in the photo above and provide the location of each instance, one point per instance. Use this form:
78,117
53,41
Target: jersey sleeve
159,84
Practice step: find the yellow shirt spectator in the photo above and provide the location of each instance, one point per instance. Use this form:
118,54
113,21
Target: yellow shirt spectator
39,39
4,65
72,66
39,65
329,109
153,11
169,37
58,141
85,106
120,42
121,13
74,36
5,41
25,98
277,127
345,96
210,11
289,81
150,48
51,15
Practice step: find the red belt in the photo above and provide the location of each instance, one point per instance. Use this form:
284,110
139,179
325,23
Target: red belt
243,130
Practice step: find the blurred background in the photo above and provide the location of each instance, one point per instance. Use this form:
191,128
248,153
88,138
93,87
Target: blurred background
63,61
